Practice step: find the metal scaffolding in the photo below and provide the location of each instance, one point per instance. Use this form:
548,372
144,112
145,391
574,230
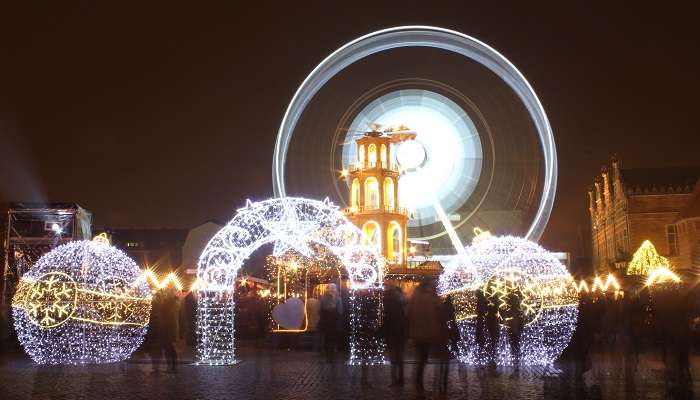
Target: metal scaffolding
34,229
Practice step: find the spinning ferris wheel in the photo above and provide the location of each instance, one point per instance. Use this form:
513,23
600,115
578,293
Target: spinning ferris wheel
464,169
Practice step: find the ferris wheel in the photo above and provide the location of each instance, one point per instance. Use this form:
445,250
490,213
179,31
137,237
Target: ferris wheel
464,167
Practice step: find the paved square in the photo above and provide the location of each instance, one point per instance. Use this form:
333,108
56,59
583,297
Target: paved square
301,375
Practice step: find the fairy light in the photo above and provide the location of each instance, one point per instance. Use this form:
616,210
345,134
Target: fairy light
610,281
646,259
367,347
78,304
498,265
661,275
150,277
292,225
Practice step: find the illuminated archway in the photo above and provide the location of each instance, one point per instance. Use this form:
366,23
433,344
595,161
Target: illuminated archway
371,193
372,154
355,193
361,154
388,193
383,156
372,235
291,224
393,242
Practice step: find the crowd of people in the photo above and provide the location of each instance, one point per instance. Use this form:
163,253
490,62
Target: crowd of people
662,320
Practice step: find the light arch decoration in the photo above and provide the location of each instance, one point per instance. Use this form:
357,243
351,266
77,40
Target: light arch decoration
290,223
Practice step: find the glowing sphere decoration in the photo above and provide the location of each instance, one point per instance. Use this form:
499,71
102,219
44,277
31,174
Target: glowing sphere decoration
82,303
499,266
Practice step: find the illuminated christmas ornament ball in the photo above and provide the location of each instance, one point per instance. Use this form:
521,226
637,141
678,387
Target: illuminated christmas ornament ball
499,266
82,303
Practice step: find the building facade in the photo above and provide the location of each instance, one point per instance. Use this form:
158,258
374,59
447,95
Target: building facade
629,206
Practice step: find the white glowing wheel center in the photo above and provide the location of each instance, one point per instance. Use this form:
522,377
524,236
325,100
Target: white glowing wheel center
410,155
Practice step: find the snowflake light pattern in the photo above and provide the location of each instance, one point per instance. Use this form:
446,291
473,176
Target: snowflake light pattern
81,303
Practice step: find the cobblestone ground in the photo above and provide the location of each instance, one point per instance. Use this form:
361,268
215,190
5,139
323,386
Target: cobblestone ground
300,375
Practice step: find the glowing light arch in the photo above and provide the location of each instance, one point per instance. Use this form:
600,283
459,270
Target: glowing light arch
423,36
291,224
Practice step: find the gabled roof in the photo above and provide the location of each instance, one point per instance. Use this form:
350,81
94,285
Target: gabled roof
660,180
692,209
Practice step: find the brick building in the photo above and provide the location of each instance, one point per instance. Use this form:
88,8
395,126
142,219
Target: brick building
628,206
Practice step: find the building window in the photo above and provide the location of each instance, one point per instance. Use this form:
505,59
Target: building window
672,238
361,155
371,194
382,156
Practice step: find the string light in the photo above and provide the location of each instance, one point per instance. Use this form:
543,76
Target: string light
367,347
78,305
661,275
646,259
497,266
292,225
157,284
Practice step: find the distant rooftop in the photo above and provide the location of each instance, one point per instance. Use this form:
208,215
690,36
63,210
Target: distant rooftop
661,180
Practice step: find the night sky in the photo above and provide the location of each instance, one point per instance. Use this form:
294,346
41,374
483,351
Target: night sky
161,116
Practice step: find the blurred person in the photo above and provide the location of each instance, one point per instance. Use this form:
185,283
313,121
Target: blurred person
582,341
481,308
5,328
151,341
424,314
329,322
493,332
447,340
188,323
168,312
671,307
394,330
515,324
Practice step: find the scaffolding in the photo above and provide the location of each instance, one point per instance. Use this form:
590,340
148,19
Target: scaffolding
35,228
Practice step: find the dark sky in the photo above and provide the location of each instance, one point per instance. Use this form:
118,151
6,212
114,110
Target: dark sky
165,116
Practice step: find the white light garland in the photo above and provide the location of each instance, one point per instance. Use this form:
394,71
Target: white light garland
81,303
498,265
290,224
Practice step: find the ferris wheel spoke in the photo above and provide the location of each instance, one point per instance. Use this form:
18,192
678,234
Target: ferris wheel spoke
449,228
